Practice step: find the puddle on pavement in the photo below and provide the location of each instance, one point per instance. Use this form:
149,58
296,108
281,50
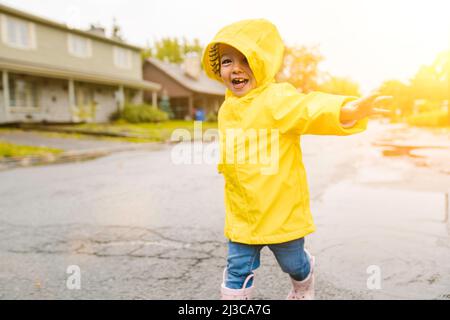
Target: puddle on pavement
430,156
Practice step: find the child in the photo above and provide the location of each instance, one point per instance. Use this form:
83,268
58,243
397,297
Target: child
269,207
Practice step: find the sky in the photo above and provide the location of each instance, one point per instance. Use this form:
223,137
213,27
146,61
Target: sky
368,41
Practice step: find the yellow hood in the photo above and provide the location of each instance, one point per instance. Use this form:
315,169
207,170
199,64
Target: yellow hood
258,40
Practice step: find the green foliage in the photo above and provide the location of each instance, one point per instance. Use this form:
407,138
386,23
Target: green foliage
116,115
84,112
211,117
419,101
403,100
193,46
432,81
165,106
300,67
168,49
436,118
173,49
87,112
12,150
143,113
146,53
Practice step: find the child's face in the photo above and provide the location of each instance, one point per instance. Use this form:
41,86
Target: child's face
235,71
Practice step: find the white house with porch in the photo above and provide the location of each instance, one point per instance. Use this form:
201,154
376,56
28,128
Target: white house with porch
53,73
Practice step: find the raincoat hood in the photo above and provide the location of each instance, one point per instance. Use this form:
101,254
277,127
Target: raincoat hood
258,40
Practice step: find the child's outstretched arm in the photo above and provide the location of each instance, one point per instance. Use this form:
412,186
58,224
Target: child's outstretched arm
320,113
362,108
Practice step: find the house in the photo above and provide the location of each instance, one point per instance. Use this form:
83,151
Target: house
53,73
186,86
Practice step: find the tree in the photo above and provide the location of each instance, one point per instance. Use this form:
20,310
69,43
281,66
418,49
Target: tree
403,101
431,82
147,52
173,50
428,89
168,49
300,67
193,46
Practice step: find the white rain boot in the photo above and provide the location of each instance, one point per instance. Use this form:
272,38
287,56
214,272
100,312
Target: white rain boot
304,290
236,294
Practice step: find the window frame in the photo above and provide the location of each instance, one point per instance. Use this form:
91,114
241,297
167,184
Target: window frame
33,85
71,37
31,33
116,50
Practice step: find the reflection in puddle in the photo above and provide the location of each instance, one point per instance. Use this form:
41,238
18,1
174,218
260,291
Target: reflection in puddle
423,155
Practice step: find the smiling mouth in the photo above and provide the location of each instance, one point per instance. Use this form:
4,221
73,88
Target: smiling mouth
239,83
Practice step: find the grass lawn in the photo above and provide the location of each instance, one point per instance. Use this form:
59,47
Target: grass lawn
139,132
121,125
8,150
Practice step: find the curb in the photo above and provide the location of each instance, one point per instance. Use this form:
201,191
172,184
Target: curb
73,156
56,129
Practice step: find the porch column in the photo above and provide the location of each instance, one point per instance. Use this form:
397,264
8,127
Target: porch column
216,105
5,80
71,93
154,98
72,104
190,106
121,98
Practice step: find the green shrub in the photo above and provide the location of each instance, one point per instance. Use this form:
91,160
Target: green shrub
211,117
141,113
116,115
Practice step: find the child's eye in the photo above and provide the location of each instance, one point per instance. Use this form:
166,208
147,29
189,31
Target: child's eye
226,61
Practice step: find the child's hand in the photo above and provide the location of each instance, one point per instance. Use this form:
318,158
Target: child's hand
364,107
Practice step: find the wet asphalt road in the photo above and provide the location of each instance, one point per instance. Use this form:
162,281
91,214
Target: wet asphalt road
140,227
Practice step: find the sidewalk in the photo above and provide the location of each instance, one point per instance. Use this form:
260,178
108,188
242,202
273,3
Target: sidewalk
74,149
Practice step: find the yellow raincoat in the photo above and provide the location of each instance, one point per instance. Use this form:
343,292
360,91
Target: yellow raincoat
268,202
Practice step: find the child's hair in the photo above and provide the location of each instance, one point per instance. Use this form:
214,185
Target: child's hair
214,58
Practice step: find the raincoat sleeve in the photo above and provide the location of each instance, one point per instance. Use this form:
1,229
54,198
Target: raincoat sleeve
313,113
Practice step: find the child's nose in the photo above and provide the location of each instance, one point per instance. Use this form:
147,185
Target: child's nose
237,68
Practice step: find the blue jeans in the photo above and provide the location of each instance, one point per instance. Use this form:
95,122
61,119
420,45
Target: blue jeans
244,258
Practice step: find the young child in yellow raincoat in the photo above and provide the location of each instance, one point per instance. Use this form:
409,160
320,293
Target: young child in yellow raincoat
267,202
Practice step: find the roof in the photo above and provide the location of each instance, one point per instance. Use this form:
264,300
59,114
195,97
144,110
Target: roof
66,73
203,84
62,26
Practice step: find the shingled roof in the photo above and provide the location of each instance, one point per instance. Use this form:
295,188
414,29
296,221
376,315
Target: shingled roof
203,84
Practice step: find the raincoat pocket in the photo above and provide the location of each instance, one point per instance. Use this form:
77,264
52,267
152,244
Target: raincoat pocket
258,189
236,199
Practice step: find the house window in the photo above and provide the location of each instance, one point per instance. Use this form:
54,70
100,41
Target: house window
79,46
122,58
23,93
18,33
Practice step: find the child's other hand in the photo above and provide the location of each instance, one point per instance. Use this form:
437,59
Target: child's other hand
364,107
